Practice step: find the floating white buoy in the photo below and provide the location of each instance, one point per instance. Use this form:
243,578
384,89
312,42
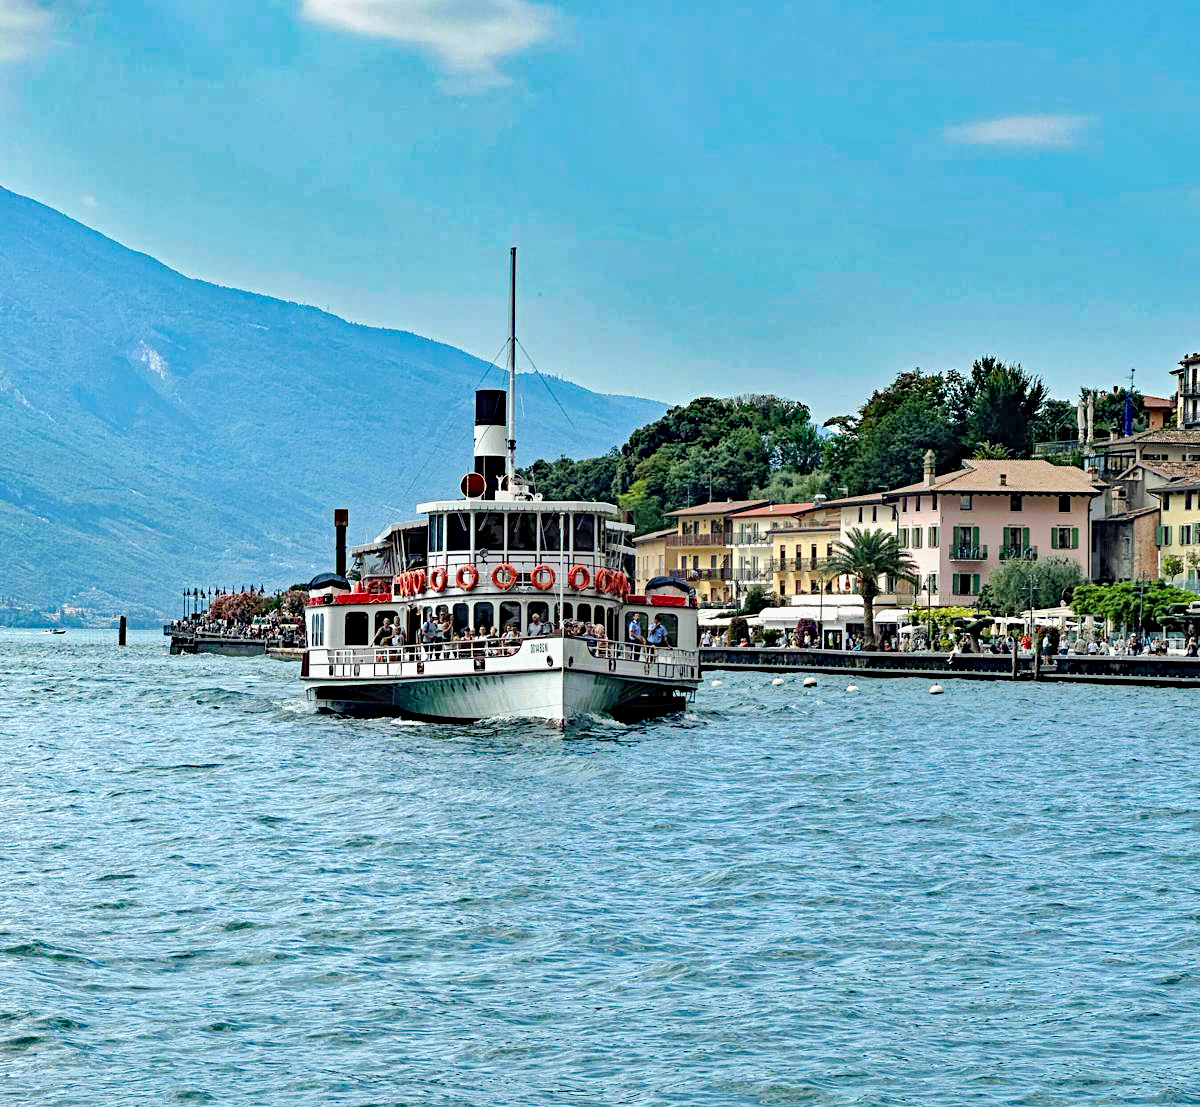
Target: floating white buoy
809,682
851,687
777,681
717,683
936,689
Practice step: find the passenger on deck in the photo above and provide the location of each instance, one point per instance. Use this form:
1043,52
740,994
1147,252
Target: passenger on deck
537,628
384,633
658,634
633,635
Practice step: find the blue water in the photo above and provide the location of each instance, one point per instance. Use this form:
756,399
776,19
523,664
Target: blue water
787,897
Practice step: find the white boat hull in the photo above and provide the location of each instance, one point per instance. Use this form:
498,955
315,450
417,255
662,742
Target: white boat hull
555,681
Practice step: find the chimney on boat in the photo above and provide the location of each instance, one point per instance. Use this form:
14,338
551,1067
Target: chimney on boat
491,438
341,520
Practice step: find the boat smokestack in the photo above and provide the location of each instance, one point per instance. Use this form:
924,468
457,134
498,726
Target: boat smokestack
341,520
491,438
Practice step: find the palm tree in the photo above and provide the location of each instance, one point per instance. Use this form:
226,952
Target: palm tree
868,555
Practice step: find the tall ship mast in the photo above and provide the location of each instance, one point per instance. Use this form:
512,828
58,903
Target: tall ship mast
499,604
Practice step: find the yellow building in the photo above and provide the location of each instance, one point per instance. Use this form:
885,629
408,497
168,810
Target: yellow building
800,547
650,559
700,551
1178,532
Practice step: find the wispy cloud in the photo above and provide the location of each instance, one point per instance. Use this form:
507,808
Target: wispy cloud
1023,132
23,28
466,38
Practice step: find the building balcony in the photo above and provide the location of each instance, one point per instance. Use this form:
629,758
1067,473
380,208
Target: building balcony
968,553
702,574
1056,449
719,539
1018,553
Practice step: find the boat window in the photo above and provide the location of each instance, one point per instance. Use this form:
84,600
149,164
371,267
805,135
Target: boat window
585,612
551,532
356,628
458,531
436,532
441,610
671,622
462,617
510,615
585,533
489,532
485,616
539,608
382,617
568,611
612,622
522,532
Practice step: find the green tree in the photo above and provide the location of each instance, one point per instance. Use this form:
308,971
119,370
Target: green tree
1138,604
884,445
868,555
1056,422
756,599
788,487
1011,587
645,509
990,450
996,403
1172,566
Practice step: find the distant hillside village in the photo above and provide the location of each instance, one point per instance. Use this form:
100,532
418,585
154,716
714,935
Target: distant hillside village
1002,497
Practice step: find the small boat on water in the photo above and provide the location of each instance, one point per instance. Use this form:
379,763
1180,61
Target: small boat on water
54,631
499,604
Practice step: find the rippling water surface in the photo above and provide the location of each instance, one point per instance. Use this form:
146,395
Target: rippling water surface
788,896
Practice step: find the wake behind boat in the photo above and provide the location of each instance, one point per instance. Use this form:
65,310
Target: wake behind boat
499,604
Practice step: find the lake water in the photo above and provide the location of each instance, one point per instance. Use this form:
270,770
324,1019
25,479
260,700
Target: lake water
787,896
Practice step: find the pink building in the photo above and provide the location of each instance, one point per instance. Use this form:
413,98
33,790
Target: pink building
961,527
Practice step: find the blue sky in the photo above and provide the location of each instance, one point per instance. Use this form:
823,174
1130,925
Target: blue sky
793,198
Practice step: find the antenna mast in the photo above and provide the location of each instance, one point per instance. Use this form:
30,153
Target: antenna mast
511,463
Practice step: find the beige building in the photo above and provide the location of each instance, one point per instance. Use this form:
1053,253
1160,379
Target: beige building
701,549
650,557
800,547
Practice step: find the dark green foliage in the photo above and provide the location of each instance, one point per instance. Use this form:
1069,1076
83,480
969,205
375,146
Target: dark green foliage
1013,586
1134,604
884,446
564,479
1056,422
995,403
756,599
710,449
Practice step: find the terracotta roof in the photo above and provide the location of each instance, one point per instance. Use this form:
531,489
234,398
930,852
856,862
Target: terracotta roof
854,501
1125,516
1165,436
717,507
774,510
1180,484
1169,469
983,475
649,536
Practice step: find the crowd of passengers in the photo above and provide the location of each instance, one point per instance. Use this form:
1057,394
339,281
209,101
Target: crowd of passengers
437,632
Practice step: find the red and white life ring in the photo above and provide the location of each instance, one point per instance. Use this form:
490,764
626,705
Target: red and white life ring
418,581
509,576
604,580
437,579
466,578
579,578
542,578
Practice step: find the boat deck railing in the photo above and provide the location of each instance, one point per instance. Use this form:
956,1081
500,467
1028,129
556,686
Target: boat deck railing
662,661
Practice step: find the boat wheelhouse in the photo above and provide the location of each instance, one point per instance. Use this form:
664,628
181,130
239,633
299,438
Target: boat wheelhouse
500,604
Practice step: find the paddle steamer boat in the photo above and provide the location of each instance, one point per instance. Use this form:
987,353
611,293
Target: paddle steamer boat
523,574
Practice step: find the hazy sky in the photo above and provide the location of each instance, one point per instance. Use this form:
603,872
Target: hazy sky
794,198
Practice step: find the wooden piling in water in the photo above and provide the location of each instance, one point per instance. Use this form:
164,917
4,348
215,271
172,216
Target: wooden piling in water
121,631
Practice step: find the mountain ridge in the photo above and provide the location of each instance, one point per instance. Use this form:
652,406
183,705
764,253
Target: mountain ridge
164,431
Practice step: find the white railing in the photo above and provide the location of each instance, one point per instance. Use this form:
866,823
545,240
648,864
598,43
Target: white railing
378,661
